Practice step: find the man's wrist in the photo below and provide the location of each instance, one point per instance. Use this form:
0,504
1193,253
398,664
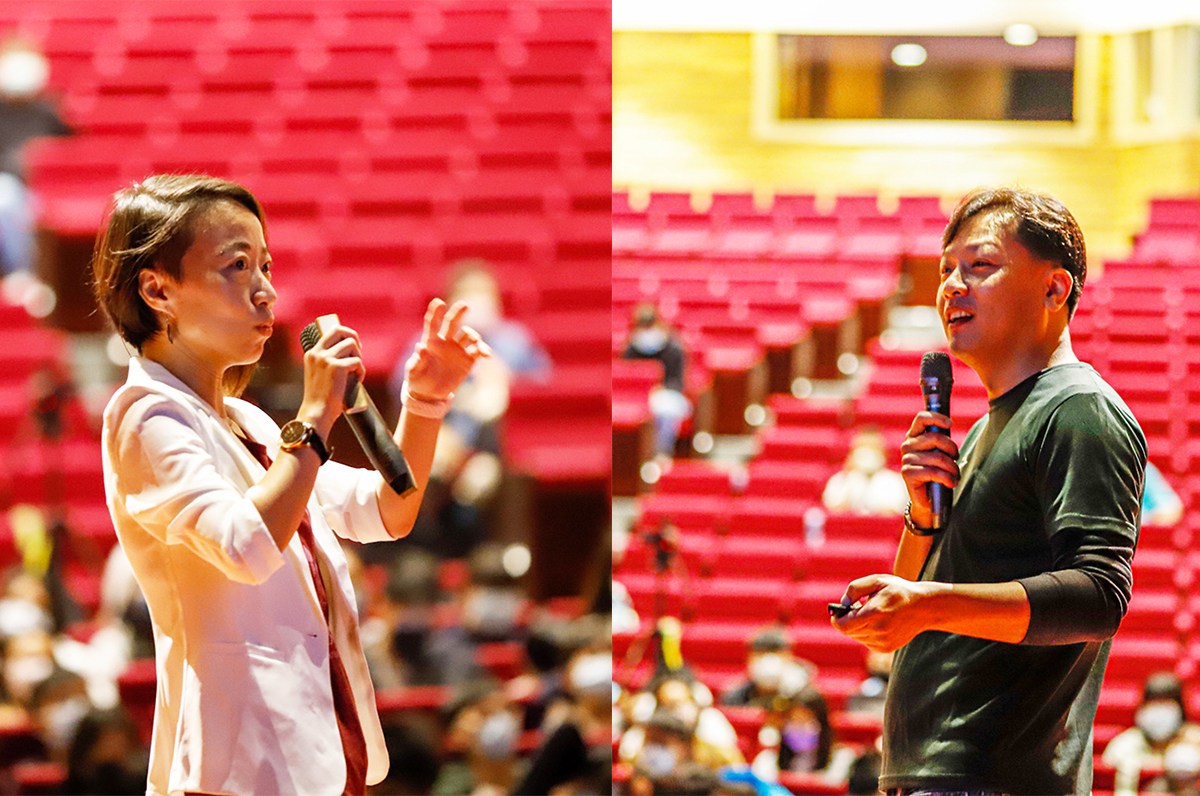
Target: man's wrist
914,527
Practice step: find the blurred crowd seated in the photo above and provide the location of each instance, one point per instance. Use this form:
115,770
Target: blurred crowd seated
753,544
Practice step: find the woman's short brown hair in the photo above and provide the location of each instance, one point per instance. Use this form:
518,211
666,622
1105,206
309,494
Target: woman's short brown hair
151,225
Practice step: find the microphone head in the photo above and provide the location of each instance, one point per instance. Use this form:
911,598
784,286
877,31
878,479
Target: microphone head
936,375
311,336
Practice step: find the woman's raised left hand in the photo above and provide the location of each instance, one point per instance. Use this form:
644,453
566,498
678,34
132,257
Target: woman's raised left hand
445,354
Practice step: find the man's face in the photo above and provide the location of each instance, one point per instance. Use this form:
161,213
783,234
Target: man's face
992,299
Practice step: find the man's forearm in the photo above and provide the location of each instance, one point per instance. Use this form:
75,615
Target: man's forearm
911,555
993,611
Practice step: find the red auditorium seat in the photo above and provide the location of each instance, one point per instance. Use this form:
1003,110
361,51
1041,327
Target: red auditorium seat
799,480
744,235
808,237
725,205
1174,212
725,597
786,208
857,206
827,445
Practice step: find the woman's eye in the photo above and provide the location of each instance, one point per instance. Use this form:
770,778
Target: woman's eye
239,264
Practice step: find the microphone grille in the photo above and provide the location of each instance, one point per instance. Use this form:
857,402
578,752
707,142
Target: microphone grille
936,365
312,334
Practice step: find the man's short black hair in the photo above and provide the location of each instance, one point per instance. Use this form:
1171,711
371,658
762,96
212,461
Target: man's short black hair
1040,223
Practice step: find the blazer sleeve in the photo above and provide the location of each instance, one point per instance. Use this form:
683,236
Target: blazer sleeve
170,483
350,503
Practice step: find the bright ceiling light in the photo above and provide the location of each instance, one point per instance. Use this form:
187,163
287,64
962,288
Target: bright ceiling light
1020,35
908,55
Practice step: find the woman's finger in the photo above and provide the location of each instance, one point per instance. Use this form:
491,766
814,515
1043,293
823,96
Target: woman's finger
433,317
453,321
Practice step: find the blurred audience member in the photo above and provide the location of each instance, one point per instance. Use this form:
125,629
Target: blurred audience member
771,670
413,759
1160,504
493,603
872,692
651,338
57,706
798,737
865,485
467,465
677,692
667,747
404,645
106,757
28,661
24,115
25,605
1159,723
863,779
486,725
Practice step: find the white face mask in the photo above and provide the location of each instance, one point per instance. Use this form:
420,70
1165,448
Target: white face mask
658,760
1159,721
23,73
688,712
483,312
648,341
592,674
497,736
62,719
1182,761
767,670
23,674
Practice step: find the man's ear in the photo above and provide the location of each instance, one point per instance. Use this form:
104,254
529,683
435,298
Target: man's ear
1058,288
155,288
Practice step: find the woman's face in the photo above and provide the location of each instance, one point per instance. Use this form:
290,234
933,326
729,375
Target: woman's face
223,304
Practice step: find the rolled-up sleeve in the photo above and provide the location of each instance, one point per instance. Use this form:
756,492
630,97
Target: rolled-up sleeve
1089,470
349,501
169,482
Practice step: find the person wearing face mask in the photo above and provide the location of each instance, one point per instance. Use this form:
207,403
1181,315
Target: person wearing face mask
798,738
28,661
771,669
667,747
24,116
1159,723
651,338
865,485
58,705
485,728
468,463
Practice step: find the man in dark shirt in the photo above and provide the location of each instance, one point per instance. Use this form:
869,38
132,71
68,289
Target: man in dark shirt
1003,619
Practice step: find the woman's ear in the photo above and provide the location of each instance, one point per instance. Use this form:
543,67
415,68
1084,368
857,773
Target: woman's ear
155,288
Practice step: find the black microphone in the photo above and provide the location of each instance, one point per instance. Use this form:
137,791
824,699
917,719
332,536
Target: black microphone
936,381
372,433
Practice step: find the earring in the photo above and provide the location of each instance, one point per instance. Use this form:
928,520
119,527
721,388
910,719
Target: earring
170,329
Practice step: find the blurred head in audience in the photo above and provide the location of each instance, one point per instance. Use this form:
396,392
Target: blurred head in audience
806,736
648,334
492,601
107,756
771,666
488,726
472,281
1161,714
28,660
23,71
58,705
25,605
666,747
690,779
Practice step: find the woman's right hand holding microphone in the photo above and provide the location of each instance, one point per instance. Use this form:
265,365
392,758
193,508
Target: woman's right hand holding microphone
328,367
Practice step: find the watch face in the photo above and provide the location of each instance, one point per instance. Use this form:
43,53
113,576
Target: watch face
293,433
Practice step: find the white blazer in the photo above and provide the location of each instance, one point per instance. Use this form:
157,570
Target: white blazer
245,704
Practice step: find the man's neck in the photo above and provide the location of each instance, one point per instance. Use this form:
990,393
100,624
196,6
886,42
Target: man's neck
1000,377
192,371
